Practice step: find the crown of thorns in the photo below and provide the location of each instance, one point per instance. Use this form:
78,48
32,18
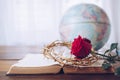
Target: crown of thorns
49,52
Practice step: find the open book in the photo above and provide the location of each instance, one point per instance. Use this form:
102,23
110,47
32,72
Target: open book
39,64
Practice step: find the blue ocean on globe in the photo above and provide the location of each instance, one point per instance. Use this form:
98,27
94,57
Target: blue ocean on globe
88,21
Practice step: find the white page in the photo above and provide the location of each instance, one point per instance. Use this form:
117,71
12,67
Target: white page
35,60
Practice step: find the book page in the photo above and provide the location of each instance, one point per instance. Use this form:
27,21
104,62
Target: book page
94,68
35,60
35,64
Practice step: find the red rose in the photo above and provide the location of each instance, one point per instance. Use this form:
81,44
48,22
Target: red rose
81,47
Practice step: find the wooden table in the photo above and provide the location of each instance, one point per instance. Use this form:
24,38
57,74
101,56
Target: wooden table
10,55
59,77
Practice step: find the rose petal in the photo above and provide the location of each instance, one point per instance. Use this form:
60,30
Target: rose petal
81,47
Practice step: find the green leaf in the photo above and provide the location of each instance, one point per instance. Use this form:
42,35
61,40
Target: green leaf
106,66
117,52
106,51
113,46
111,59
117,71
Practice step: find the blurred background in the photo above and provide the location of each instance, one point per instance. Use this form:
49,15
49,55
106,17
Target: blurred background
36,22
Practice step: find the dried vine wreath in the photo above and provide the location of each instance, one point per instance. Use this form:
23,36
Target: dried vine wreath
49,52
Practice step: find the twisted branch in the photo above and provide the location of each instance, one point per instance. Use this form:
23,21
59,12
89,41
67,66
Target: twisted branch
49,52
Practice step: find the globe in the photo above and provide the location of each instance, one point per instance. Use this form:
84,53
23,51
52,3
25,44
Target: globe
88,21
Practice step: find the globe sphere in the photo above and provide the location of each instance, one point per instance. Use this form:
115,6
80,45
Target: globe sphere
88,21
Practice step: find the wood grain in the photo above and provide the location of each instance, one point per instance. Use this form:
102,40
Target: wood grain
5,64
17,52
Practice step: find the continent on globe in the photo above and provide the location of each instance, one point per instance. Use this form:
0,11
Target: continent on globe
87,20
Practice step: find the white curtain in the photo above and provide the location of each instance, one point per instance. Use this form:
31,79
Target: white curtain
29,22
33,22
112,8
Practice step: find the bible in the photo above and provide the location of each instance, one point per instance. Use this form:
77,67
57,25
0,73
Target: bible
39,64
35,64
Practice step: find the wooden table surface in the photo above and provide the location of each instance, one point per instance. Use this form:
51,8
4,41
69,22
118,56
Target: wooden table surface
10,55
